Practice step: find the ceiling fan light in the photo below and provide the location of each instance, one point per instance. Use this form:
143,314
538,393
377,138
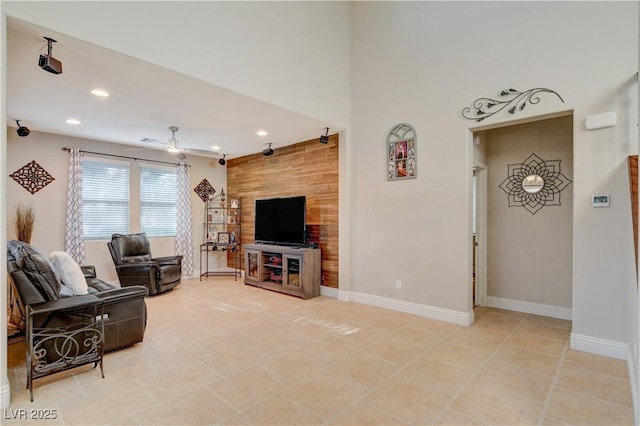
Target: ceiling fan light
173,142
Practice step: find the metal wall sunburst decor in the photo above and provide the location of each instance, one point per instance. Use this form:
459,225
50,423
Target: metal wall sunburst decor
534,183
510,99
32,177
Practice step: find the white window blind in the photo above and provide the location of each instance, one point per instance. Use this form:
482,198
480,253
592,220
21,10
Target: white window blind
105,199
158,201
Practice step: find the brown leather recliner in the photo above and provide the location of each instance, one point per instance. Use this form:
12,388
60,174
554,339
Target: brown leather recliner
37,284
135,265
64,332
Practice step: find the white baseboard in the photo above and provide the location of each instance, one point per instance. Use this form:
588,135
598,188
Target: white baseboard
552,311
633,376
456,317
5,395
329,291
595,345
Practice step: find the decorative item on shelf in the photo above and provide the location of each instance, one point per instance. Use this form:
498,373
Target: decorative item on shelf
534,184
402,152
216,217
211,237
512,100
232,237
235,203
275,277
275,260
32,177
223,238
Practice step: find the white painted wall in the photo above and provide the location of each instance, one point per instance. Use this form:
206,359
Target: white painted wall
5,390
530,256
50,202
421,63
292,54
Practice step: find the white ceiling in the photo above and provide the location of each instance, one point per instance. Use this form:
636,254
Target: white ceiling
144,100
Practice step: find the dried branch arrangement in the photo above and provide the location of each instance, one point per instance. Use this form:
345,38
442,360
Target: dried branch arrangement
24,220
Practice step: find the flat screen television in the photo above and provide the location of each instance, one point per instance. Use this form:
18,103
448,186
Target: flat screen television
281,221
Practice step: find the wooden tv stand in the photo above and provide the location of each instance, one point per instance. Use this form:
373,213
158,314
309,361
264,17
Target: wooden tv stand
290,270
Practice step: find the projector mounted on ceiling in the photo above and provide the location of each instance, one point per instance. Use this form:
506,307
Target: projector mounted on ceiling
48,62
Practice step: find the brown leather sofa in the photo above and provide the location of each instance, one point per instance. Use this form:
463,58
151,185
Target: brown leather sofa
131,255
37,284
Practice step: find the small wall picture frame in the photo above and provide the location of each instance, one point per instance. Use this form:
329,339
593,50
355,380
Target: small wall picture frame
223,238
600,201
401,153
235,203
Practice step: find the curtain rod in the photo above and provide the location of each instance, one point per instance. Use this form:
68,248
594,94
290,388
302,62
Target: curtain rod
129,158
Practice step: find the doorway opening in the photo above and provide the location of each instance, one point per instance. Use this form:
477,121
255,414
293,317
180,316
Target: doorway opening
521,257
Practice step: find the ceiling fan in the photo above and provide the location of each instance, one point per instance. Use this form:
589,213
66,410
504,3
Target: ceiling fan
173,146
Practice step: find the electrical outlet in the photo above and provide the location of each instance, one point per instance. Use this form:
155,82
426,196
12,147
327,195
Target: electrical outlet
398,284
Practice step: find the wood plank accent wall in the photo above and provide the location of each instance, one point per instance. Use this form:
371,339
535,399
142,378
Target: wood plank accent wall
307,168
633,185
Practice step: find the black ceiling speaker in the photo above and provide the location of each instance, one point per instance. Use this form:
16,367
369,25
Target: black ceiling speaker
48,62
22,130
325,138
222,161
267,151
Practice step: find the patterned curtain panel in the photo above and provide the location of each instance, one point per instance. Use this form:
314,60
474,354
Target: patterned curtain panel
74,241
184,237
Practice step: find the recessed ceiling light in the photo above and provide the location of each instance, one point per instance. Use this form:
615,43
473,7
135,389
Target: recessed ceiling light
100,92
73,121
262,133
215,148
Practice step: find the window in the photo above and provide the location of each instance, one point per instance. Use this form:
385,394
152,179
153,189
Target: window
158,201
105,198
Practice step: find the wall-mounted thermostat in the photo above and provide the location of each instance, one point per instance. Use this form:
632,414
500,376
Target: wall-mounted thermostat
600,201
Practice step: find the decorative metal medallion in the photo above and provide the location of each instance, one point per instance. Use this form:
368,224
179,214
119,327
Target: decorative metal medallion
204,190
32,177
402,152
510,99
534,183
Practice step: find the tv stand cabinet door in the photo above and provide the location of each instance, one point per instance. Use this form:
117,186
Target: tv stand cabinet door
293,272
252,266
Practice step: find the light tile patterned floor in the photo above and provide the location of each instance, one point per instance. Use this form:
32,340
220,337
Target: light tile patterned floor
220,352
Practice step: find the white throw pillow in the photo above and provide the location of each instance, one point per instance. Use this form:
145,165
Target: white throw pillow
70,272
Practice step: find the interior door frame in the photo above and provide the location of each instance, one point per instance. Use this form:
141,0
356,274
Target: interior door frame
481,170
475,135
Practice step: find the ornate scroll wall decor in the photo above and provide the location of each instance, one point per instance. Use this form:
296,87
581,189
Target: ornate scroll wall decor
510,99
402,152
32,177
534,183
204,190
